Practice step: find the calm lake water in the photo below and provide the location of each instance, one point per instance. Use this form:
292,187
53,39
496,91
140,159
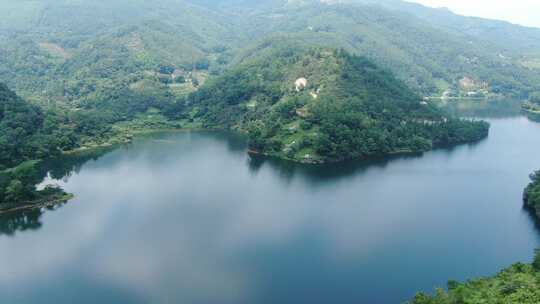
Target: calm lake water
191,218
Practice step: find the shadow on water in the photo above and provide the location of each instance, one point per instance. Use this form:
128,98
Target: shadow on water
13,222
64,167
235,141
59,169
533,216
320,173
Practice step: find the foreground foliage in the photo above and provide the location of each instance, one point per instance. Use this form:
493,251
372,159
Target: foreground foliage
518,284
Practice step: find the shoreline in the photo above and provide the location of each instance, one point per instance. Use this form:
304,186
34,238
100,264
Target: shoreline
41,203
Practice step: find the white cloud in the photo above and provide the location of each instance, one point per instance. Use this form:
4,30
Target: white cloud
524,12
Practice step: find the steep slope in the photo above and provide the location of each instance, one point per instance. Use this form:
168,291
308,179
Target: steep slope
322,105
20,130
30,132
25,134
64,50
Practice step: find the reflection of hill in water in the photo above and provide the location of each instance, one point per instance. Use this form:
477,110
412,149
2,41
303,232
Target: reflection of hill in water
497,108
166,145
64,167
320,174
13,222
20,221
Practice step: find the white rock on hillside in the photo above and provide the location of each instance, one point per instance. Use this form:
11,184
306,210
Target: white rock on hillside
300,84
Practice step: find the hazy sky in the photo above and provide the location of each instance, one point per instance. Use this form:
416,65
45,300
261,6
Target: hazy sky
525,12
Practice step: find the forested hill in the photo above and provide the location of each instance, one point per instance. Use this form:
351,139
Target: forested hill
74,52
30,132
322,105
24,131
78,52
428,58
506,35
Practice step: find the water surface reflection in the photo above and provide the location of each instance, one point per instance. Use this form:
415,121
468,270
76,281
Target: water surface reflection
191,218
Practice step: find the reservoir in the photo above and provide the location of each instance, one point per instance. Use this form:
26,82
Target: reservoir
190,217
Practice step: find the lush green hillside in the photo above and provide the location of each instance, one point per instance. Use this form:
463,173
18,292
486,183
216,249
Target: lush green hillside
321,105
507,36
74,52
70,51
429,56
25,133
519,284
29,133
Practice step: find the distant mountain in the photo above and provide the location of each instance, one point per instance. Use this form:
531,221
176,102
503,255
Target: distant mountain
320,105
507,36
76,51
428,58
67,50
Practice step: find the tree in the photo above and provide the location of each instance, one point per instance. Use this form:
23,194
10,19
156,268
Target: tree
15,191
536,262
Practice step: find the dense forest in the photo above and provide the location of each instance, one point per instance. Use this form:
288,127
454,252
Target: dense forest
75,52
306,80
519,284
346,107
29,133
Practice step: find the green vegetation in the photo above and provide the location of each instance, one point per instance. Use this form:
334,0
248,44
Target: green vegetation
77,53
532,107
531,196
503,34
29,133
348,108
93,73
518,284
